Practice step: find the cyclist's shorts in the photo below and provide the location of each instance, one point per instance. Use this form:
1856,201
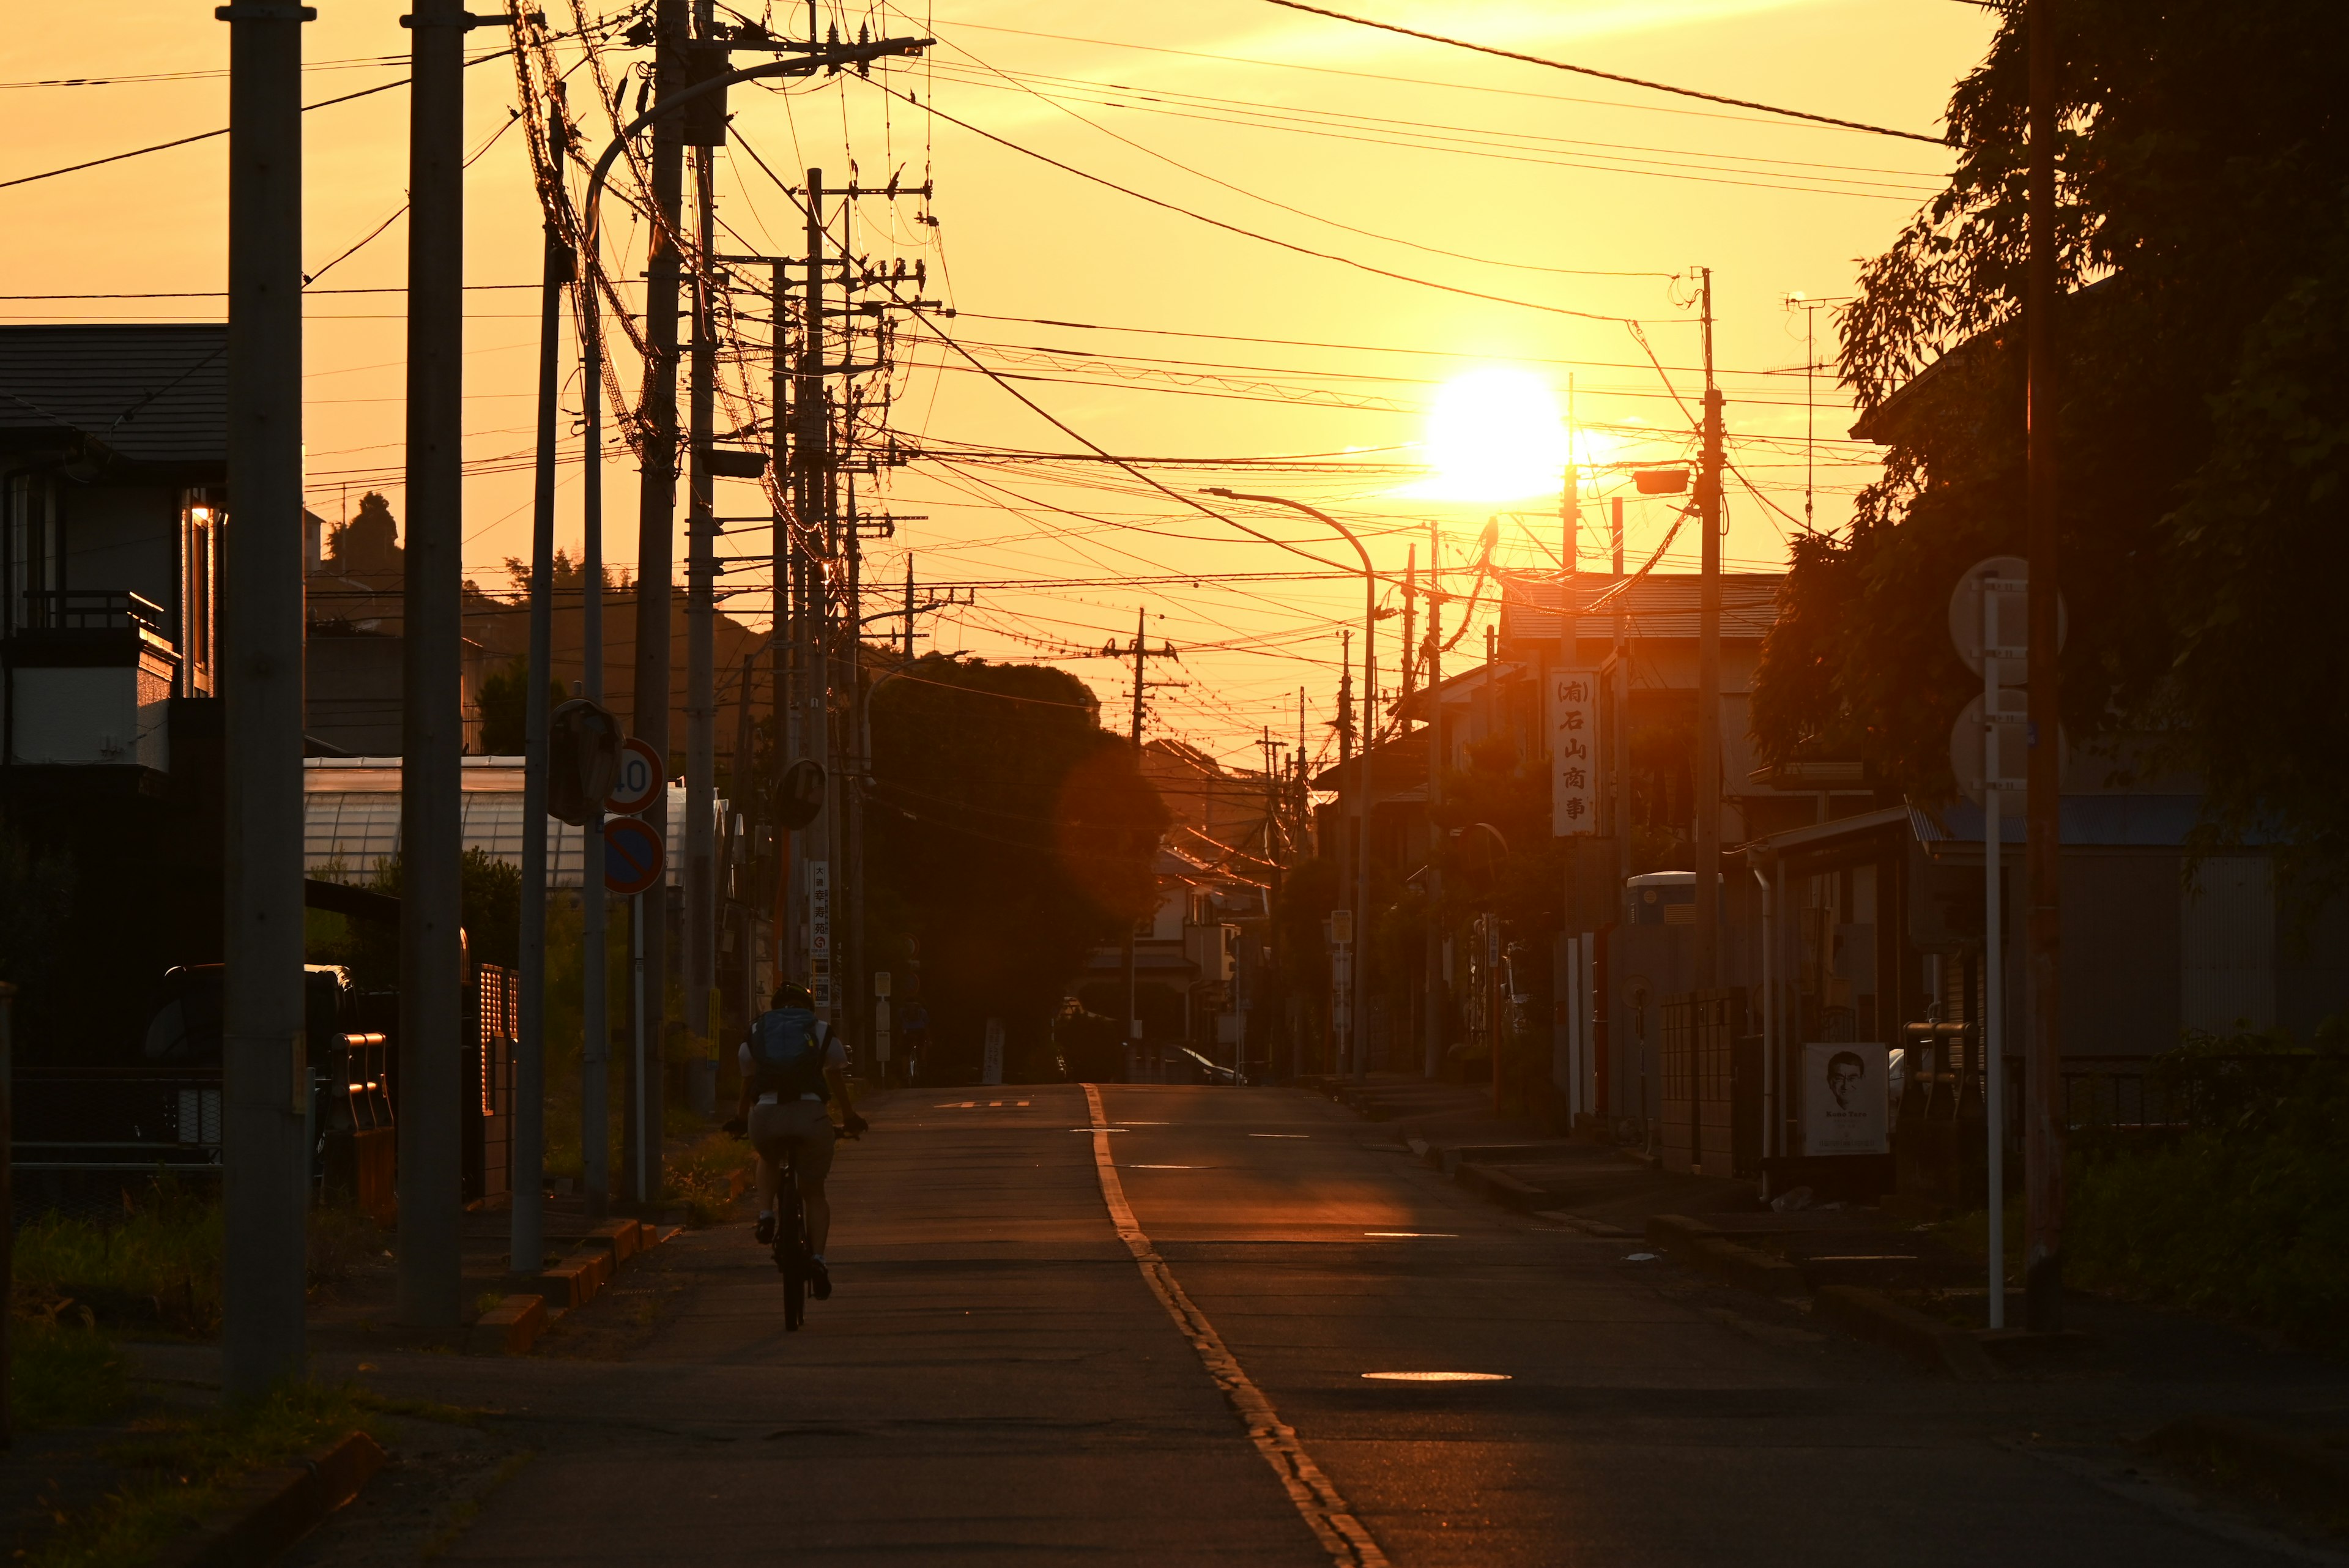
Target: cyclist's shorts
801,1123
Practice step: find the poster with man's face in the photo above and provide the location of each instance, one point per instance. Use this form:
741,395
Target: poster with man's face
1846,1109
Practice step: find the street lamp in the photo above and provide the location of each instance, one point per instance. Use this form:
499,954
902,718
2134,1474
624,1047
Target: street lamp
1360,1010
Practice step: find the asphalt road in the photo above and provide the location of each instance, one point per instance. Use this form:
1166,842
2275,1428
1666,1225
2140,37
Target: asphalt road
1003,1376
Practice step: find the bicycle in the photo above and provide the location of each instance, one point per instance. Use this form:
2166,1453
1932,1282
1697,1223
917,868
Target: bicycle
791,1250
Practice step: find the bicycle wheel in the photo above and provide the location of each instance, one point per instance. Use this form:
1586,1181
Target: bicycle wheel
791,1257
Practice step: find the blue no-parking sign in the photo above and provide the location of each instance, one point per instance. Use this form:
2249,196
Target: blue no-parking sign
634,855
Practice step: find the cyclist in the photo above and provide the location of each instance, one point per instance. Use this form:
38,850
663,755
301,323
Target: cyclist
792,1064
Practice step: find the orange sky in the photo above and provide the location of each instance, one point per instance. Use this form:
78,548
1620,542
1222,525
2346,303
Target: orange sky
1300,128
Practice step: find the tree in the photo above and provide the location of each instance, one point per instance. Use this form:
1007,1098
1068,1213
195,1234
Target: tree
368,545
2203,424
1014,834
505,717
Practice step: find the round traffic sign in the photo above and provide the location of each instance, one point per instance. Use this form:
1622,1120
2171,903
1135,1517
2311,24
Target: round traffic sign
633,857
1968,630
799,801
638,782
1969,750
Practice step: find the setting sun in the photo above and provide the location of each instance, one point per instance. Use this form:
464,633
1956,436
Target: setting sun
1494,435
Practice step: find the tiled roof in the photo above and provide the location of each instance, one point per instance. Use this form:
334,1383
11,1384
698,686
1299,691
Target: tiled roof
1659,604
150,393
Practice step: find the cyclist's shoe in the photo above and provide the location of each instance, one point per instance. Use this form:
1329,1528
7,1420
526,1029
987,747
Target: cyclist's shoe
765,1233
818,1280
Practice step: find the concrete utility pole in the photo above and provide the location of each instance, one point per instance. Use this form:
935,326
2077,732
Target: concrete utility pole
1132,1030
1619,743
433,965
527,1244
1708,678
2043,857
1438,999
594,1025
812,466
266,1188
856,995
656,544
784,560
702,614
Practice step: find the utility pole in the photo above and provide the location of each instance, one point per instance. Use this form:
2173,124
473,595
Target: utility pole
1708,678
852,965
526,1245
784,559
595,1023
434,967
265,1186
1438,1001
1619,739
701,601
645,1086
811,475
2043,1065
1143,653
909,606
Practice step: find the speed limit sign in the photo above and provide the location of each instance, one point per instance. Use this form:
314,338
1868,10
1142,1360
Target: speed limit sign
638,782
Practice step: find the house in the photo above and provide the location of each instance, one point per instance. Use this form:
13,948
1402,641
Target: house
1582,976
113,463
113,460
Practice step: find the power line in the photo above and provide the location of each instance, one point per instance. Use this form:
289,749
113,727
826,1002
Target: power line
1611,76
1246,232
208,135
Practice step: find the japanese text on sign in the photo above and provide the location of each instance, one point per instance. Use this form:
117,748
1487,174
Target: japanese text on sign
1574,751
819,933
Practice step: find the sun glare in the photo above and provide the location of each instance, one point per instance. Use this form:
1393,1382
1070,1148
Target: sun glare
1495,435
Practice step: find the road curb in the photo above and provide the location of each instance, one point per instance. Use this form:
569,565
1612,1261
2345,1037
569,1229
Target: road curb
2301,1473
511,1327
1748,1267
1498,1186
273,1508
1870,1315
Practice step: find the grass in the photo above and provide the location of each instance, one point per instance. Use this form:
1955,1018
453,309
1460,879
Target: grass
160,1265
703,1176
63,1372
181,1469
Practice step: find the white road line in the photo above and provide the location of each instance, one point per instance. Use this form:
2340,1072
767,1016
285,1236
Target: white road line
1325,1512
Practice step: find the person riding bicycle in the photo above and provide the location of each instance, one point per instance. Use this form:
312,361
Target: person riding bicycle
792,1064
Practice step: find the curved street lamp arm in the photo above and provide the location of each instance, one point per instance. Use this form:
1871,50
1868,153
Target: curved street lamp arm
833,55
1309,511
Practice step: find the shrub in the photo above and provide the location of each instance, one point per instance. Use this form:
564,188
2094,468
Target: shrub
2247,1216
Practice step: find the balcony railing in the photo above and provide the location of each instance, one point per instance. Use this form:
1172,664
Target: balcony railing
73,610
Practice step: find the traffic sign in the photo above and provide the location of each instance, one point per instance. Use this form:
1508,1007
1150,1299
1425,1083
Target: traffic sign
634,855
2004,578
799,801
583,757
1967,745
639,780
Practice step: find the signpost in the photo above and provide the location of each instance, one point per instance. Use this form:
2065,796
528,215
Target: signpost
819,933
1988,746
634,860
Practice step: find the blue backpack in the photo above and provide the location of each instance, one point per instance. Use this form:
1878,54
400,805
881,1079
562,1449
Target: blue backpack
786,1051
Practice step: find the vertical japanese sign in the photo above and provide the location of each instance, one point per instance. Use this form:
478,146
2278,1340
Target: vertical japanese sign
819,933
1574,751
